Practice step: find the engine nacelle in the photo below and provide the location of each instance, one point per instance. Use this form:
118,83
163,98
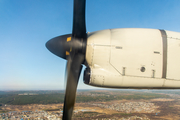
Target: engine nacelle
133,58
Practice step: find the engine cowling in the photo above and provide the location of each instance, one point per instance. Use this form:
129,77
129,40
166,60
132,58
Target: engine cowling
134,58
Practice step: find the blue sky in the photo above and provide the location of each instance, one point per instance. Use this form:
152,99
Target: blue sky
26,25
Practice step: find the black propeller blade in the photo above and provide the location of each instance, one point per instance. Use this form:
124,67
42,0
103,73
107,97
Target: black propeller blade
73,72
79,23
72,47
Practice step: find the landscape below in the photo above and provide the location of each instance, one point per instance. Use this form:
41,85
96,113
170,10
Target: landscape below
92,104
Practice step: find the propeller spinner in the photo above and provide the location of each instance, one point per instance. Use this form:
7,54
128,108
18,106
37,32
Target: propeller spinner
72,47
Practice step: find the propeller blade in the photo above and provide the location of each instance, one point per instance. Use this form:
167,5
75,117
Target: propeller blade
72,47
73,70
79,24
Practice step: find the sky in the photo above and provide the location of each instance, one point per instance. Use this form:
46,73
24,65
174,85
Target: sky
26,25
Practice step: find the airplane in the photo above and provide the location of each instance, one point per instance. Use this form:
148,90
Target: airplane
116,58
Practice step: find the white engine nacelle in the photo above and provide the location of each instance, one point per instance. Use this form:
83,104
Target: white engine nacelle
133,58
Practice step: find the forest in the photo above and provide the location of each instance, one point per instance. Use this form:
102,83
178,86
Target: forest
54,97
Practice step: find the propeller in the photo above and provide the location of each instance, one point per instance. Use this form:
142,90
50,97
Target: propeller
72,47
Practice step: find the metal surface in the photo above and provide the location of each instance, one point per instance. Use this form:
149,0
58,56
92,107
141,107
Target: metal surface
164,43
